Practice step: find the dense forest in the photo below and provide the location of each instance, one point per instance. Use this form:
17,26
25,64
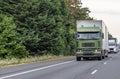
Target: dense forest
39,27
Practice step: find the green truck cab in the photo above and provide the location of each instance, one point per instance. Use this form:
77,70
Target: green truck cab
92,39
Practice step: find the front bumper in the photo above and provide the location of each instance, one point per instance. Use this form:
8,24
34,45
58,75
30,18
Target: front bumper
89,55
112,50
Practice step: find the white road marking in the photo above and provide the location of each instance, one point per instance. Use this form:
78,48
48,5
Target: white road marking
29,71
105,63
110,58
94,72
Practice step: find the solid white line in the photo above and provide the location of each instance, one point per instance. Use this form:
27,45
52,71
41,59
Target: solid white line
29,71
94,72
110,58
105,63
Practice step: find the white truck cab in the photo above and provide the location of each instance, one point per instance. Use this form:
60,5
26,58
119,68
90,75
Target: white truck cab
113,45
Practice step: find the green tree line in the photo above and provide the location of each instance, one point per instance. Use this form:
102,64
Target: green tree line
37,27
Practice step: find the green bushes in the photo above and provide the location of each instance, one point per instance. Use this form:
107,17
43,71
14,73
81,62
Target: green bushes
37,26
10,45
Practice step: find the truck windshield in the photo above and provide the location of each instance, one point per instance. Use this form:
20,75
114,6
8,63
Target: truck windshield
112,44
88,35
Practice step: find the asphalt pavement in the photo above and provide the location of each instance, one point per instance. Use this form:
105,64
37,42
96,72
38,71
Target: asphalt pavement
67,68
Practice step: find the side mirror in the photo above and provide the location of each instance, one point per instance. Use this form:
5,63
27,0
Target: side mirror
102,35
75,35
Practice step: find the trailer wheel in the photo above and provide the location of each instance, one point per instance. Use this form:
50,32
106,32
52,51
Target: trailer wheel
103,57
78,58
106,56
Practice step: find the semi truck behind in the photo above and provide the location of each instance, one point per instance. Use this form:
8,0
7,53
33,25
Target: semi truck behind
92,39
113,48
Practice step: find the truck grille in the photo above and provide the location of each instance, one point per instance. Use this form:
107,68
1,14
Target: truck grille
88,44
111,49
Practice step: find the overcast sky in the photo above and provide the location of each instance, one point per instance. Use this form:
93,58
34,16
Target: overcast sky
108,11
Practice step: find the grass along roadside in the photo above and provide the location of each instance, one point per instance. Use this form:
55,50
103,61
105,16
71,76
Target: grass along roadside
14,61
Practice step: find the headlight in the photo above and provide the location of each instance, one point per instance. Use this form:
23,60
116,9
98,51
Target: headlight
79,52
97,51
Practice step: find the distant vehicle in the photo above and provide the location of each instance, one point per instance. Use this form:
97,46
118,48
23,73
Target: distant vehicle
118,46
113,48
92,39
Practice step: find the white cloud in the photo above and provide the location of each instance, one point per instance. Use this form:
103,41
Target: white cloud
108,11
102,5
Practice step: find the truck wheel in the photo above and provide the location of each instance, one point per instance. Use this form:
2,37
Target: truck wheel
78,58
100,58
103,57
115,52
85,58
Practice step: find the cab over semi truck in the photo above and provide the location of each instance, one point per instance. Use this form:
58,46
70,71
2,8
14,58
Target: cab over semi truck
113,45
92,39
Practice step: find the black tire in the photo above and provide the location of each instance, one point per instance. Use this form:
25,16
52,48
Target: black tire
106,56
115,52
78,58
103,57
85,58
100,58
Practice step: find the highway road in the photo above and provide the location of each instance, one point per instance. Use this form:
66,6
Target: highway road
67,68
